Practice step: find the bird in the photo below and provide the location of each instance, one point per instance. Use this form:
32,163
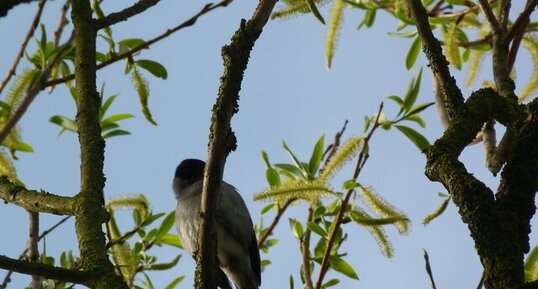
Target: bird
237,247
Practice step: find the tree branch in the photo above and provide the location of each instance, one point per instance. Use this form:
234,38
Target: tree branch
33,252
490,16
222,140
305,251
519,183
6,5
46,271
438,63
476,203
123,15
90,200
191,21
20,54
35,201
517,31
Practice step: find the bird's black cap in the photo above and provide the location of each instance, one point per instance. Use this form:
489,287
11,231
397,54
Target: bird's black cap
190,170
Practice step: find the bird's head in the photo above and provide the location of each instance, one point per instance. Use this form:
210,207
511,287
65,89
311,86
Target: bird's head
188,172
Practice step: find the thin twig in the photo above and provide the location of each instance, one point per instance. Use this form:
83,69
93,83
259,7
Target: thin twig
33,252
305,250
59,30
20,54
522,20
267,232
135,9
518,30
490,16
363,157
7,279
456,14
191,21
429,269
31,94
61,24
331,149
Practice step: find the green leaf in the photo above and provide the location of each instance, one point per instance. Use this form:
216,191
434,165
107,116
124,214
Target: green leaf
152,218
272,176
153,67
419,140
416,118
108,126
130,43
412,92
171,240
166,225
296,228
164,266
297,162
117,117
408,34
314,227
315,11
147,282
317,155
413,53
65,122
106,105
531,265
350,184
369,18
396,99
267,209
292,170
330,283
339,265
175,282
23,147
265,158
419,108
116,132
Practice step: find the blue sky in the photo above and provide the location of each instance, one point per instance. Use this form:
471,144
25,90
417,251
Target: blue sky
287,94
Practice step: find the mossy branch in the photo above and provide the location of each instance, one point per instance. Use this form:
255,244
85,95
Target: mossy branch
47,271
90,201
35,201
491,227
221,139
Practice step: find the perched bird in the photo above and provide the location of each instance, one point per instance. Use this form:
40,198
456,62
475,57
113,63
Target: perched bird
237,247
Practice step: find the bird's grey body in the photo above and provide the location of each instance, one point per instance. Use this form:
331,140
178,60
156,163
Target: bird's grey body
237,247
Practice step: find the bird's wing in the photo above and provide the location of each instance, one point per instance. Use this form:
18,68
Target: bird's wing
236,221
255,260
